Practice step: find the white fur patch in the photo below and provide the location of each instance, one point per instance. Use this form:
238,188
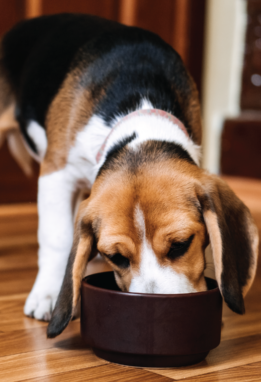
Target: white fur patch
38,136
161,129
152,277
139,222
151,127
82,164
55,236
146,104
55,196
82,157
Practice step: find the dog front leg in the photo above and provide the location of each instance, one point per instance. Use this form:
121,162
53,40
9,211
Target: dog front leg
55,235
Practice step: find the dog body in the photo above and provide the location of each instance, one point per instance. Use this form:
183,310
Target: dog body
112,109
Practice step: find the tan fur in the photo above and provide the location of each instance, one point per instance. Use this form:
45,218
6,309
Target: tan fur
123,280
169,216
253,232
18,150
68,113
7,119
173,209
169,206
173,218
81,258
9,130
219,189
215,240
9,127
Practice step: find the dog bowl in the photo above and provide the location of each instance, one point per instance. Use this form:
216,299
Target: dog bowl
153,330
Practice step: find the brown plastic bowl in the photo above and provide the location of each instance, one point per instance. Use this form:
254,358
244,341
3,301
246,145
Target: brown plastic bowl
153,330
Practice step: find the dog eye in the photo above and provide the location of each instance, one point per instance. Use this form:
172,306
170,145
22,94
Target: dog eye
179,248
119,260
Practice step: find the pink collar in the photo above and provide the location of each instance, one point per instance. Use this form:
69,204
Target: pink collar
141,112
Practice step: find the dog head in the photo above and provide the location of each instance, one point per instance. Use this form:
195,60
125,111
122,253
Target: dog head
152,222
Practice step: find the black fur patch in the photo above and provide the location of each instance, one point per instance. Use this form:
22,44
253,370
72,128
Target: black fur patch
149,152
136,65
119,260
197,208
206,201
116,149
123,65
38,54
28,139
179,248
62,313
237,254
236,244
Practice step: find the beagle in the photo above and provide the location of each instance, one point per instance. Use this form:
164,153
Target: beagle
112,109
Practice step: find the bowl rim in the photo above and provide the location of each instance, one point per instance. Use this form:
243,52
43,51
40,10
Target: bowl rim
149,295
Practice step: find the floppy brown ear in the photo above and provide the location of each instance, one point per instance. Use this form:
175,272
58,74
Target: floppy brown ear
234,240
82,251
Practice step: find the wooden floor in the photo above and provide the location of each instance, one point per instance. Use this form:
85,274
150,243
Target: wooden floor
26,354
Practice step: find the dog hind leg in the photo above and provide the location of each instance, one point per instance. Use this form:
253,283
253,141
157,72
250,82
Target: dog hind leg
9,127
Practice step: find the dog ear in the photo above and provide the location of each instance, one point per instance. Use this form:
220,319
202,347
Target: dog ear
82,251
233,238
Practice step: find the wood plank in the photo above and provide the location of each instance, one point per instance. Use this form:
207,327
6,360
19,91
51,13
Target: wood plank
248,190
250,323
20,209
48,362
12,316
15,281
17,241
29,340
108,373
11,306
26,354
23,257
229,354
246,373
241,326
18,225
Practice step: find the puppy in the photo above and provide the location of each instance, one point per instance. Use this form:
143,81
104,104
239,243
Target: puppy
112,109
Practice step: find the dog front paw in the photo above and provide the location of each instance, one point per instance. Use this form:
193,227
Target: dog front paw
42,299
40,307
